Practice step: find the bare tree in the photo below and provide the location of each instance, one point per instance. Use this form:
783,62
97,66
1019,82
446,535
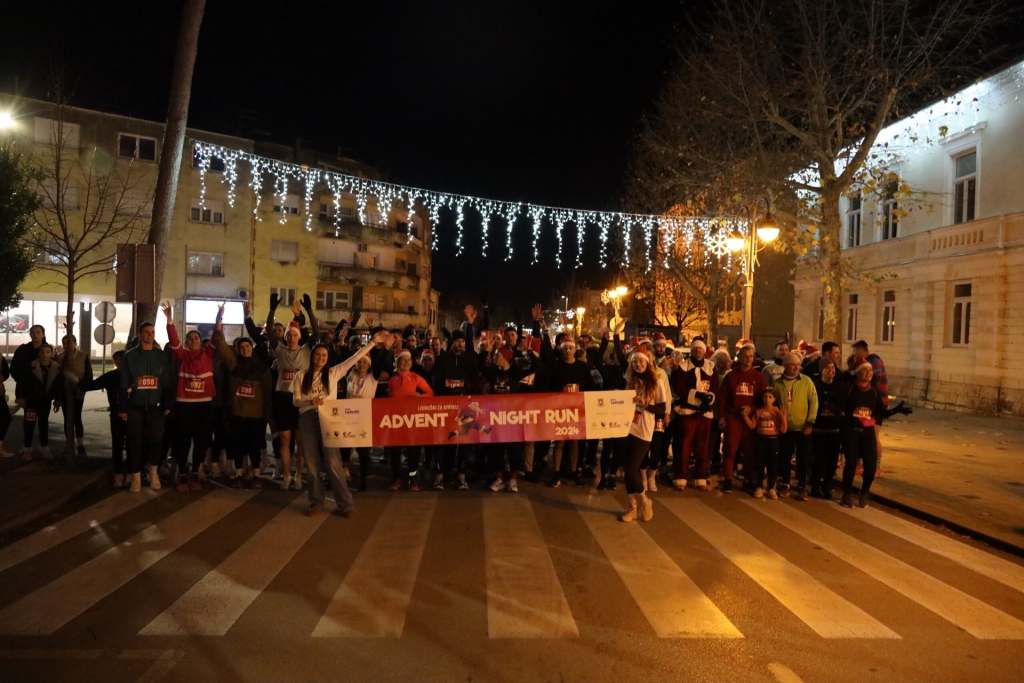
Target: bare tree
91,202
174,140
786,99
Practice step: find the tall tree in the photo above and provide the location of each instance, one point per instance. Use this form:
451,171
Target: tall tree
786,99
89,203
18,179
174,141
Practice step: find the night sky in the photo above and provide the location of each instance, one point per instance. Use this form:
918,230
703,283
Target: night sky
523,101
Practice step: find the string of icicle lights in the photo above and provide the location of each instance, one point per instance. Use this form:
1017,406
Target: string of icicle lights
625,234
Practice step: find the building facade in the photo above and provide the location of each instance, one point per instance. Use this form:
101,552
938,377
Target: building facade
221,249
939,301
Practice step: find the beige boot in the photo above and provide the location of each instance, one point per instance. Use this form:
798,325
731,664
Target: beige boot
136,485
630,514
646,508
154,477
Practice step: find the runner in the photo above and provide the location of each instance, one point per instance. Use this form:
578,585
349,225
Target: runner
768,421
147,390
405,384
310,388
36,392
736,393
649,403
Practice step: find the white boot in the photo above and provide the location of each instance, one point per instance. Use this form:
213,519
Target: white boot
679,484
286,482
136,485
646,508
652,475
154,478
630,514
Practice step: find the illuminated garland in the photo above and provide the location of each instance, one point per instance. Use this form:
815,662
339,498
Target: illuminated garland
612,225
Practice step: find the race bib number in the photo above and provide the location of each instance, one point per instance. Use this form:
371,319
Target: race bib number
744,389
571,388
148,382
862,413
659,425
30,416
245,391
288,375
703,386
454,383
195,385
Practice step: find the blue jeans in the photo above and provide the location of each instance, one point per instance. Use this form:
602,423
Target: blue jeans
313,448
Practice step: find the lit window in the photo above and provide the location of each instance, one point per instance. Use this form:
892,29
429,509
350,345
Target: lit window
888,316
961,332
205,263
853,215
851,318
965,188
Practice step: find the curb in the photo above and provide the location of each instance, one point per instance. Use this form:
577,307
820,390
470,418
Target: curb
997,543
49,507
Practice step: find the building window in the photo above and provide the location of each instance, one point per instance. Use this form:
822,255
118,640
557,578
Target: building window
965,187
332,301
373,218
205,263
853,222
216,164
328,212
290,205
285,252
136,147
211,212
961,314
888,316
851,318
52,254
286,295
374,302
890,211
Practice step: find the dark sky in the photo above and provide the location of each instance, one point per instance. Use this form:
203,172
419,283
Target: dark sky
524,101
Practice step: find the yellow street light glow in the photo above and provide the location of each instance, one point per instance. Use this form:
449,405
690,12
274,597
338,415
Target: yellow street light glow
735,242
6,120
621,290
768,231
580,311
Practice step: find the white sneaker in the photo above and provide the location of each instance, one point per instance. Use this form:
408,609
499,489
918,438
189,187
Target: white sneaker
679,484
154,478
286,482
118,481
652,485
701,485
630,514
497,484
759,492
772,495
136,484
513,487
297,481
646,509
462,482
438,482
47,455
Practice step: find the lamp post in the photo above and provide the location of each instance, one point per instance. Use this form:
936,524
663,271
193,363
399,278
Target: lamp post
614,297
579,318
761,230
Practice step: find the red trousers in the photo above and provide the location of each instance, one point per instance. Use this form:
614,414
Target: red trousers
692,432
738,437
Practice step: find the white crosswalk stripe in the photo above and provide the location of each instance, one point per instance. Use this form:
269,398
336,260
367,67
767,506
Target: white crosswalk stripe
72,525
524,596
829,615
373,599
55,604
972,615
986,564
216,602
672,603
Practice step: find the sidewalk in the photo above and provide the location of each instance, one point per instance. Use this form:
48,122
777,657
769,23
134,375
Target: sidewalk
963,470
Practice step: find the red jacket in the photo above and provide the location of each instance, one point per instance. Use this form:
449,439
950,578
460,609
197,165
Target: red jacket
195,370
405,384
738,390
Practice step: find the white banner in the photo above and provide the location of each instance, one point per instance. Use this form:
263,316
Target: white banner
347,422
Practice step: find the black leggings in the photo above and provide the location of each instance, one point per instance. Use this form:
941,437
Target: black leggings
191,429
42,413
73,413
654,456
412,458
118,438
636,450
766,449
5,419
613,452
826,458
248,437
859,444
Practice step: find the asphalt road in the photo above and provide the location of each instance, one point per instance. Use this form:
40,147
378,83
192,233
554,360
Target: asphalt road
544,585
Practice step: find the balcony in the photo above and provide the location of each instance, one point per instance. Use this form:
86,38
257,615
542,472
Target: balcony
351,228
344,272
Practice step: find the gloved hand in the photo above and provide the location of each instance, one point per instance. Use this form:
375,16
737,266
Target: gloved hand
307,303
275,301
355,319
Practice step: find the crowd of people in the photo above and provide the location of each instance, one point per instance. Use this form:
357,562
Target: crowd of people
772,429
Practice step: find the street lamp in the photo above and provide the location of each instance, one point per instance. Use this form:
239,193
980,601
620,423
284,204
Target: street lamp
761,230
614,297
6,120
580,310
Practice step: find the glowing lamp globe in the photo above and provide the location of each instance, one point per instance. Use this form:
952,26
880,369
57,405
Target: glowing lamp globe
735,242
768,231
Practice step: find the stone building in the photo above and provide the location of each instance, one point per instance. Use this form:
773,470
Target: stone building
942,305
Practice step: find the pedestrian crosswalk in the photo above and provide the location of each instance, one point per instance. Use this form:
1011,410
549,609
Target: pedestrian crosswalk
530,590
